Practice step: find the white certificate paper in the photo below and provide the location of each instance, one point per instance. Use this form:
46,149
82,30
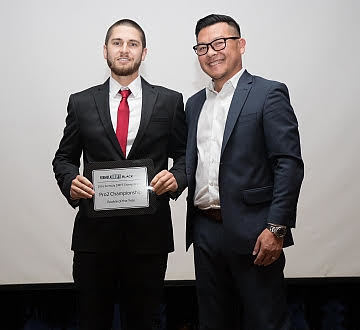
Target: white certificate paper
120,188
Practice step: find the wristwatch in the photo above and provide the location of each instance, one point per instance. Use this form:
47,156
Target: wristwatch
278,230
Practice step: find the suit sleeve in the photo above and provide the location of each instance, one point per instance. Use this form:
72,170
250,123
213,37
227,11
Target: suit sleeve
177,146
283,147
67,158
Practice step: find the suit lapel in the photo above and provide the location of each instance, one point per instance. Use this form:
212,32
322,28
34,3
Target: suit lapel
241,92
101,97
194,114
149,95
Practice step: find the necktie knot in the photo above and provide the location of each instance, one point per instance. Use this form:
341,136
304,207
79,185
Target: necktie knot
125,93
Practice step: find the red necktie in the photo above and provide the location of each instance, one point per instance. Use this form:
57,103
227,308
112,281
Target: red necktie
122,125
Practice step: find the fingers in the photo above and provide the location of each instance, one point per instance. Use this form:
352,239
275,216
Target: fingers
163,182
270,258
266,258
257,247
81,187
259,259
267,248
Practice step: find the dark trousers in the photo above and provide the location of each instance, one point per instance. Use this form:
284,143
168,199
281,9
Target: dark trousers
98,276
227,282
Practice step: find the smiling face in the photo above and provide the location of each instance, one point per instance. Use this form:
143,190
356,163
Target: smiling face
124,53
223,64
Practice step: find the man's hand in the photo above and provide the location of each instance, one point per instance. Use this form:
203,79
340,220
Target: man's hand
163,182
268,248
81,187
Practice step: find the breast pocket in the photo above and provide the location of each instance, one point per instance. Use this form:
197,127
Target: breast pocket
159,119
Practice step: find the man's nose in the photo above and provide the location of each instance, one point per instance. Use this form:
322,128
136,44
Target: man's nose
211,51
124,48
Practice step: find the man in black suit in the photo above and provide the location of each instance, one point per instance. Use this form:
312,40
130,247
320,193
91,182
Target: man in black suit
129,251
244,171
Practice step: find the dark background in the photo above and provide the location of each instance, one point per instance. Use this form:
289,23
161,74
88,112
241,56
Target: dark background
314,303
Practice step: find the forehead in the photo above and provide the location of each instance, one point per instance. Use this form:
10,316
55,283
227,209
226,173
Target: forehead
214,31
125,32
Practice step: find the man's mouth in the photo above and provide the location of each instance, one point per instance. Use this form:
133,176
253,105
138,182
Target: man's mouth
123,59
216,62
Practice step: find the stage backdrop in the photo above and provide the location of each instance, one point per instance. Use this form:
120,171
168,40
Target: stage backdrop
51,49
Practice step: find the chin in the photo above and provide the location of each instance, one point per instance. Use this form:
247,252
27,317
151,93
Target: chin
216,76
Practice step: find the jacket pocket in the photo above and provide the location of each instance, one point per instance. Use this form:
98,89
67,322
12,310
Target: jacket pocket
258,195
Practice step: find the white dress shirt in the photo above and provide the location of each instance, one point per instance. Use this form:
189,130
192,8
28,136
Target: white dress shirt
135,104
210,132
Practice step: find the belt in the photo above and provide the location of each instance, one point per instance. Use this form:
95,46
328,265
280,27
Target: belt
214,214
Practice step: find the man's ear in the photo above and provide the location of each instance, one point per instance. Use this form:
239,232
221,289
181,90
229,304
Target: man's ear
105,52
242,43
144,52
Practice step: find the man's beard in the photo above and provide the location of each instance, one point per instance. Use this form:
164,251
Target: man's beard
124,71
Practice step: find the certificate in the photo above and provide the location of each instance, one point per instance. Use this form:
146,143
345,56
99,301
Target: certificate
121,188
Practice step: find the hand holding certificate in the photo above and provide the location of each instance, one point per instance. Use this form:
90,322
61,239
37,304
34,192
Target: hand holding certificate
81,187
121,188
164,182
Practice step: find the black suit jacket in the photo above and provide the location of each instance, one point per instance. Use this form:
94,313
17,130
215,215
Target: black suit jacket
89,131
261,169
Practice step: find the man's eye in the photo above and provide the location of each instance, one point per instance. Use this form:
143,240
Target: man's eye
133,44
218,43
201,48
116,43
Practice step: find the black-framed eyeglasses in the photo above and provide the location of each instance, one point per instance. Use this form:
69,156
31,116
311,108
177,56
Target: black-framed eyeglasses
217,44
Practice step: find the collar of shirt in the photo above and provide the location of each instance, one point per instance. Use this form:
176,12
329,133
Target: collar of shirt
232,82
134,86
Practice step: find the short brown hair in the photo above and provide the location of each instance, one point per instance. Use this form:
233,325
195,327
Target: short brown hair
127,22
